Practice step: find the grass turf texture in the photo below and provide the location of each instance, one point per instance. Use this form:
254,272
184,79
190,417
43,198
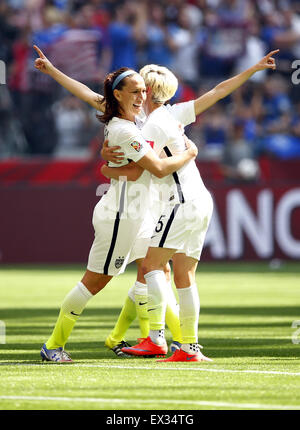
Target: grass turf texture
245,326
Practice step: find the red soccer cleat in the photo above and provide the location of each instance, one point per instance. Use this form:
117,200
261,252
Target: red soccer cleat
147,348
180,355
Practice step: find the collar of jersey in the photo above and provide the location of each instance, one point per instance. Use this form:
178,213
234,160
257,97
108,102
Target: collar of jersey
116,118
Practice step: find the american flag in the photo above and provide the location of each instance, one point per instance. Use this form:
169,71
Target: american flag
75,54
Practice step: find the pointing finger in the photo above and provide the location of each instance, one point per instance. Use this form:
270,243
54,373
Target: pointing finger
39,51
273,52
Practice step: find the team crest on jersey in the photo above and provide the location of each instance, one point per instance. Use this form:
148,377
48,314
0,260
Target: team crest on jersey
136,145
119,261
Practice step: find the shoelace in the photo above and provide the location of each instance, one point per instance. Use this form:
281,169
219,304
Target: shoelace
123,344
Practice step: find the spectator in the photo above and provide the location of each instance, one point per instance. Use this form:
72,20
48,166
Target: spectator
254,50
238,161
185,44
82,43
125,30
202,41
224,37
275,103
159,44
215,128
72,121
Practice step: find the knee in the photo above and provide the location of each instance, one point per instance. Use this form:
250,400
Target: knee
183,280
178,280
95,282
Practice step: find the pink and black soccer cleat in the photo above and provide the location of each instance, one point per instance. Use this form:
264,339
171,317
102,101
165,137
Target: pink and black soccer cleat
147,348
180,355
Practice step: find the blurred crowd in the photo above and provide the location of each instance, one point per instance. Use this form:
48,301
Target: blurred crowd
202,41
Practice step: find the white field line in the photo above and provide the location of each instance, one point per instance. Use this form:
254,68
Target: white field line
158,368
194,368
135,402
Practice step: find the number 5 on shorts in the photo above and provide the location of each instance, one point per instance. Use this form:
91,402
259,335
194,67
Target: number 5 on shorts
159,225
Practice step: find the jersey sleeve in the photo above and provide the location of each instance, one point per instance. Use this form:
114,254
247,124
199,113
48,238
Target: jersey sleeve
183,112
134,146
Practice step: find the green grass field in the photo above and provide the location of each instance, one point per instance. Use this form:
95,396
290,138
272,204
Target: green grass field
245,326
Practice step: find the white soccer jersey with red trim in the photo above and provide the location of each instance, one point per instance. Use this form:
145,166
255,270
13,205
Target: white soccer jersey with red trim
164,128
124,133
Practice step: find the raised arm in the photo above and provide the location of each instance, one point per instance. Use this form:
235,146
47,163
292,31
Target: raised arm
227,87
76,88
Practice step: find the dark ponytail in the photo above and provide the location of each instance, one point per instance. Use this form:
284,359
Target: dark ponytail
111,103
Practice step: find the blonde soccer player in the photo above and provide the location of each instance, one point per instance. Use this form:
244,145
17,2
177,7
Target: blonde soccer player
182,225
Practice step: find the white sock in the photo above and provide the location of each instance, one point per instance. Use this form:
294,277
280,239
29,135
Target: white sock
141,305
76,300
156,283
131,293
140,290
190,348
141,299
189,308
157,336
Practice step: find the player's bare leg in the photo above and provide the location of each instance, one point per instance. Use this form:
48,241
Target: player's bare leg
95,282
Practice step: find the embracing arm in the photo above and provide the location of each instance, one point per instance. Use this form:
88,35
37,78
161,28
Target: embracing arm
227,87
131,172
161,167
76,88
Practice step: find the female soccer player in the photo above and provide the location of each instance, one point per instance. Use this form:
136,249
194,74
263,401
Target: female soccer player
183,223
116,226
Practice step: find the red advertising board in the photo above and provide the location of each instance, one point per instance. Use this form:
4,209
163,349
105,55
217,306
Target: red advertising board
41,224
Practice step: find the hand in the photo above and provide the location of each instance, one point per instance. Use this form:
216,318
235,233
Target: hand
42,63
190,146
268,62
108,153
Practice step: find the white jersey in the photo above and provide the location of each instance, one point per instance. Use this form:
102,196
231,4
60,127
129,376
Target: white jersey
118,216
124,133
164,130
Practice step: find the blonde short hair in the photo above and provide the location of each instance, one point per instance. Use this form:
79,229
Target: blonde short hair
161,80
